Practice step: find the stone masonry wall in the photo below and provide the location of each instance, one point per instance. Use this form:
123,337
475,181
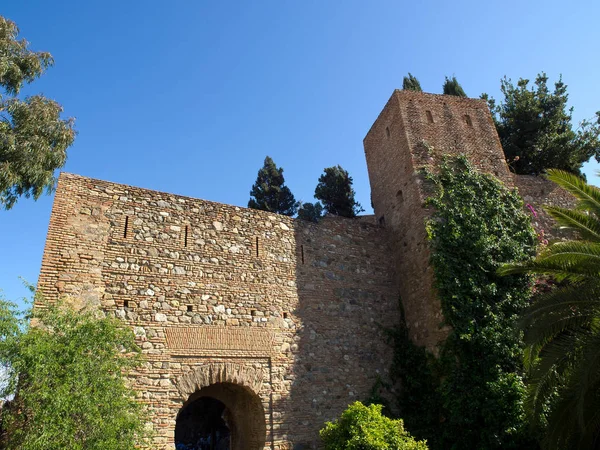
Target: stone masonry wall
538,192
283,310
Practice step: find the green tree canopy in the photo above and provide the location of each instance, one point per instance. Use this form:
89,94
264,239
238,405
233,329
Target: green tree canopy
562,327
410,83
33,137
536,131
66,377
453,87
310,211
336,192
365,428
270,193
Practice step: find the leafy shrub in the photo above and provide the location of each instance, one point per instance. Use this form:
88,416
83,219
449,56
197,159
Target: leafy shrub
365,428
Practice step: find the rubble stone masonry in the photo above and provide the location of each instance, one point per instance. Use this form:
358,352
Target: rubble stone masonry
283,314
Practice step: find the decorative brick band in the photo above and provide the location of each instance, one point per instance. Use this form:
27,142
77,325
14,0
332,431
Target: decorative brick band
209,374
213,338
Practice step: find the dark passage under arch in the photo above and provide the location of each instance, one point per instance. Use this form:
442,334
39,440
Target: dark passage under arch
202,425
221,416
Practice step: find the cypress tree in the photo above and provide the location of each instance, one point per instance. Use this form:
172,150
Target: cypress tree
453,87
410,83
269,192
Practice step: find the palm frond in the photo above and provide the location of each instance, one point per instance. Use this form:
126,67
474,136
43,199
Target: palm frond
588,196
573,299
562,328
573,260
587,226
541,336
541,385
586,376
562,434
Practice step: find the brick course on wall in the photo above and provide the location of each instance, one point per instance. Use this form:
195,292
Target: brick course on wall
206,286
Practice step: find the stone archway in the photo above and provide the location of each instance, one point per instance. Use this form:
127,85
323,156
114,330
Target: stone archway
236,387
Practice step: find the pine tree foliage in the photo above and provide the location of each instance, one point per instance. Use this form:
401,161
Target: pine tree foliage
336,193
66,378
410,83
536,130
310,211
33,137
453,87
269,192
562,326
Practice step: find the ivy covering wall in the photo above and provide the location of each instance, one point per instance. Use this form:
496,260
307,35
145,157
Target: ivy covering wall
471,396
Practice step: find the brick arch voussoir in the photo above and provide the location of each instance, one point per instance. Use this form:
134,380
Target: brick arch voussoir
209,374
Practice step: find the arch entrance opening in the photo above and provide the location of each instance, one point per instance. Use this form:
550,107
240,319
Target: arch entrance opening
221,416
202,425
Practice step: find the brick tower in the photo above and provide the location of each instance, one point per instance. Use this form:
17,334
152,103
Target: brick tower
412,132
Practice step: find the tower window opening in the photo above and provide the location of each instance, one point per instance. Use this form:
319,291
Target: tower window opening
468,120
302,253
429,116
185,237
257,246
387,131
126,226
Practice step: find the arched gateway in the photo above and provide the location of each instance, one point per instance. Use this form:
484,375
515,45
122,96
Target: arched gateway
221,409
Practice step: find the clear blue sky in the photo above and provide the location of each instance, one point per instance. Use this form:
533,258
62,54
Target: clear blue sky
189,96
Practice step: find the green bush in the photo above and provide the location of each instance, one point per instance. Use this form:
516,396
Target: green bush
365,428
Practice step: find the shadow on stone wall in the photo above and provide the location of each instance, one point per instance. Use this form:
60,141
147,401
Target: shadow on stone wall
345,294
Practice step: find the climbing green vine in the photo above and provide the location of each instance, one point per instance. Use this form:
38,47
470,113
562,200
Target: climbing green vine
474,390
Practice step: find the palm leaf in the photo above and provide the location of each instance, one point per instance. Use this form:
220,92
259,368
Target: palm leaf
588,196
586,225
573,260
586,377
579,298
562,328
562,431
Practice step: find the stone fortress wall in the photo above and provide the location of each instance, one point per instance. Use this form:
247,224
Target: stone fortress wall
282,314
276,318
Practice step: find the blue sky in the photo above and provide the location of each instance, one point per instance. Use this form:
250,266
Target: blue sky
190,96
